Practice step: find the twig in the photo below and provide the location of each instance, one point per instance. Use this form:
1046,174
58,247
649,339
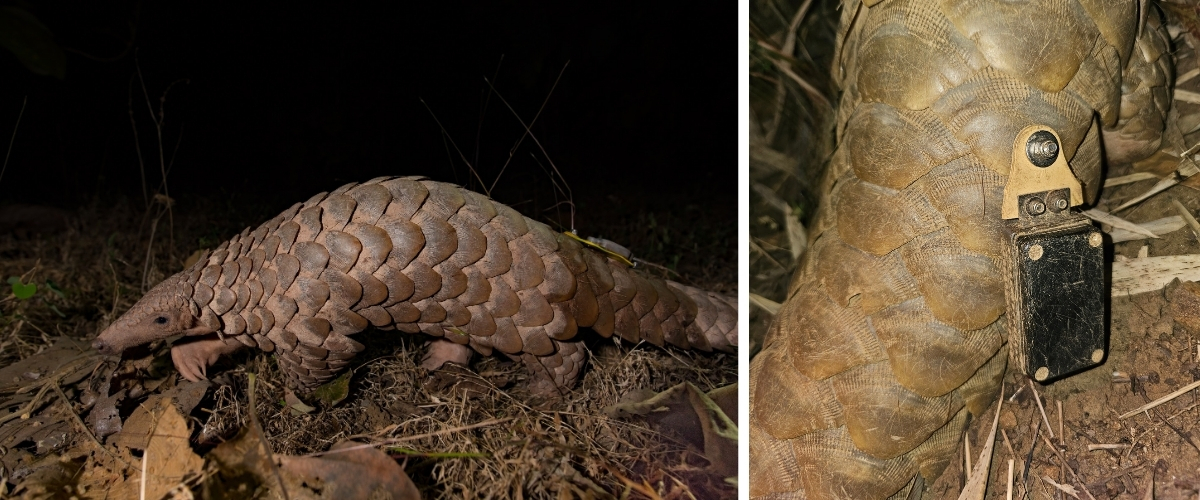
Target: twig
392,441
84,426
513,150
570,201
158,120
967,453
1186,437
1063,460
758,248
660,267
1015,393
1114,221
1107,446
149,253
1037,430
487,99
1129,179
1162,400
142,480
789,42
452,143
1068,489
768,305
1041,409
785,67
28,407
262,441
1187,96
13,139
1008,490
539,144
1187,76
1187,217
137,143
976,485
1121,472
1175,177
1062,438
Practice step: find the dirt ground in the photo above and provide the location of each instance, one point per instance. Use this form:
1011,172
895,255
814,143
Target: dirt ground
477,435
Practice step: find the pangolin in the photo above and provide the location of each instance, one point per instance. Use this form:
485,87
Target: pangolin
894,330
418,256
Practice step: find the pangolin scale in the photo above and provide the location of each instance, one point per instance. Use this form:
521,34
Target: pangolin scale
417,256
894,327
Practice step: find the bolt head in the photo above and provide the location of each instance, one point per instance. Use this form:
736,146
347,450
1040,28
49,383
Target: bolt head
1061,203
1035,207
1042,148
1095,240
1041,374
1035,252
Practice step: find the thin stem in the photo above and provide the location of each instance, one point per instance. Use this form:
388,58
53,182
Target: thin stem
459,151
570,195
13,139
535,118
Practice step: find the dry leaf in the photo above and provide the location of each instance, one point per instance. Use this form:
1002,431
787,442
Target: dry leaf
693,415
169,457
348,471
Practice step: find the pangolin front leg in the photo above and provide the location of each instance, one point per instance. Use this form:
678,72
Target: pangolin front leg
192,357
416,256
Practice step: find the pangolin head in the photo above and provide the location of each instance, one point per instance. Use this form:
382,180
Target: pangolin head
166,310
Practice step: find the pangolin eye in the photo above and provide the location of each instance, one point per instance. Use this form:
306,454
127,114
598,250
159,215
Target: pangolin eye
162,320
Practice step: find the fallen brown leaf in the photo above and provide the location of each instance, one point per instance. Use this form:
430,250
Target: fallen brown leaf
169,458
350,472
693,415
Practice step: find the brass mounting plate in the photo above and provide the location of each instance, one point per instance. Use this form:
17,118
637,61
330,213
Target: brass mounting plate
1026,178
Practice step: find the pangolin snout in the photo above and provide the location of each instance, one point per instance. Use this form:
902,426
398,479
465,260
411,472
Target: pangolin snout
103,347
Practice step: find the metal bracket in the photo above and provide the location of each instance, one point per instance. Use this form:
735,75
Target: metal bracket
1038,166
1055,285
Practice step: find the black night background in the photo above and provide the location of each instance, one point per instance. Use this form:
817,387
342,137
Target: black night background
275,101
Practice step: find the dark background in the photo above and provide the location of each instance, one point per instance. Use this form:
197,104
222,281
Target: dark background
277,101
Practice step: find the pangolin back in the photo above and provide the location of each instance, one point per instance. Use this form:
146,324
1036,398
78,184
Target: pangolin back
416,255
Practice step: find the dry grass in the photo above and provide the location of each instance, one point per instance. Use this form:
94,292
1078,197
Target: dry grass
540,452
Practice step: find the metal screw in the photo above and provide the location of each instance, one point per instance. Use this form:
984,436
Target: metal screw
1048,148
1095,239
1061,203
1041,374
1035,252
1042,148
1035,207
1097,355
